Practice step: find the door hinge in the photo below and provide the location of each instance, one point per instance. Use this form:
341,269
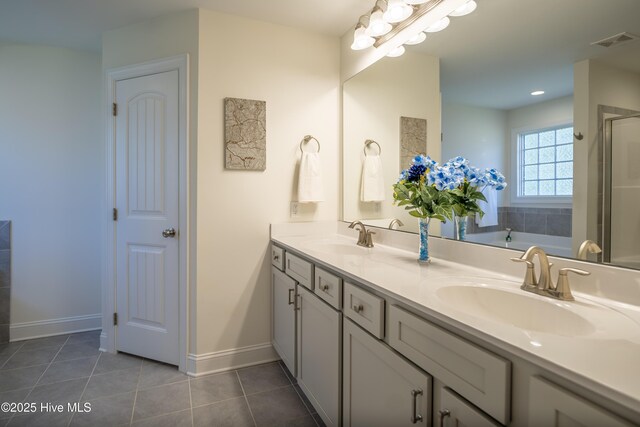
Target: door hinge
115,319
114,109
115,214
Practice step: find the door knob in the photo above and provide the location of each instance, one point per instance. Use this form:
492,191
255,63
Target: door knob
169,232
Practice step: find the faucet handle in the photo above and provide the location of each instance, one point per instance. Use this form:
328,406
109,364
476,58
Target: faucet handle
564,271
530,276
563,290
369,239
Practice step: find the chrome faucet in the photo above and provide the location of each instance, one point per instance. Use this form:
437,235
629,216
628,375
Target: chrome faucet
588,247
364,237
395,221
545,285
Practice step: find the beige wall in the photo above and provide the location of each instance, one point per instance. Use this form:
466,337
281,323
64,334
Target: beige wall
373,102
298,75
595,84
50,158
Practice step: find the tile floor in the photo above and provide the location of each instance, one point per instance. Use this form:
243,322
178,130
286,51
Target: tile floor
128,390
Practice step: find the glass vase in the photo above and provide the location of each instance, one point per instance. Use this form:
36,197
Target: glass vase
424,241
461,227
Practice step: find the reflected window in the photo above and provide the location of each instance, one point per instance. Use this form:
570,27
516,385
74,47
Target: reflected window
545,162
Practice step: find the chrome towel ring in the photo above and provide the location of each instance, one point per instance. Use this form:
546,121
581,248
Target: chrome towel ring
306,139
367,143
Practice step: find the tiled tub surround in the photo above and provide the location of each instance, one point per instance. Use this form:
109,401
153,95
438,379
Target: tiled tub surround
5,279
127,390
601,363
549,221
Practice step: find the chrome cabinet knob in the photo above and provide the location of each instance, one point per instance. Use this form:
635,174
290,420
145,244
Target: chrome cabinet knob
169,232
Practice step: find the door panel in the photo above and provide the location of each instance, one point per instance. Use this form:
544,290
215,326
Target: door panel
147,199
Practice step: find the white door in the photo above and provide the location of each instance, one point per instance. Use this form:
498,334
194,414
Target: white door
147,199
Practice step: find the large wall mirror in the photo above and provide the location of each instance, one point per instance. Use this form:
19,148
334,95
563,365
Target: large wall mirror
571,155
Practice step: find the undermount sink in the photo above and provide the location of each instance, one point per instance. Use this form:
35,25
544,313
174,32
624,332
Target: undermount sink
520,310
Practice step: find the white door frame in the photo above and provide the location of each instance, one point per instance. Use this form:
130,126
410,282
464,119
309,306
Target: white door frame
180,63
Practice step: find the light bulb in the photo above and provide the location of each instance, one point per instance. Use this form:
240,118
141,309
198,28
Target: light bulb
377,25
417,39
361,40
439,26
465,9
396,52
397,10
416,1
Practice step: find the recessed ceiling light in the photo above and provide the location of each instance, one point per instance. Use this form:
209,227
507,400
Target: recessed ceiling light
537,92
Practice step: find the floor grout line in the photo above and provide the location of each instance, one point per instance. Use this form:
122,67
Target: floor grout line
85,386
41,375
135,398
190,402
304,403
12,354
246,399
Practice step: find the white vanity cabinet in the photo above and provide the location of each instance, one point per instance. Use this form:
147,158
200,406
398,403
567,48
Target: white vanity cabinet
380,387
319,336
551,405
283,320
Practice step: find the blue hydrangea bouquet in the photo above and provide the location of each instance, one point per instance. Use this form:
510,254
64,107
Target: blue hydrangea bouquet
429,190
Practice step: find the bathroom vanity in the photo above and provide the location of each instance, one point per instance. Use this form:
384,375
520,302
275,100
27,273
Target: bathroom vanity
375,339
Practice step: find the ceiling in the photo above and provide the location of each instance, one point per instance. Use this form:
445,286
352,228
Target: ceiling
506,49
79,24
494,57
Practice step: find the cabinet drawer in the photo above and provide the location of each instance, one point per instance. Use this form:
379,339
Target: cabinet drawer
550,405
366,309
328,287
277,257
299,269
455,411
479,376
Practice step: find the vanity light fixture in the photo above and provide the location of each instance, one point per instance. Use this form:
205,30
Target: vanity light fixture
377,25
439,26
360,38
417,39
399,51
465,9
405,22
537,92
397,11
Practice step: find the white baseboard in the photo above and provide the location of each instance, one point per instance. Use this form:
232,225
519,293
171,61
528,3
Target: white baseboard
47,328
219,361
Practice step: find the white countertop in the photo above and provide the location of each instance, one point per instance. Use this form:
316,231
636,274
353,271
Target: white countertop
603,357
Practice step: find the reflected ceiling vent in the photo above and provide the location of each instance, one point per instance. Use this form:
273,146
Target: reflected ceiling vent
616,40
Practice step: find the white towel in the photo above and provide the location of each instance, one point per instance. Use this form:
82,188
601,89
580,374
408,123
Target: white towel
490,208
310,179
372,180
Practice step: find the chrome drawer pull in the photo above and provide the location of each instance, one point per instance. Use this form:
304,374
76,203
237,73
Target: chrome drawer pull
358,308
276,257
290,293
415,417
444,413
325,288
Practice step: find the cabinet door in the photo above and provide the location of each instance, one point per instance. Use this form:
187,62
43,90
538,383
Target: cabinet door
550,405
283,327
381,388
319,355
455,411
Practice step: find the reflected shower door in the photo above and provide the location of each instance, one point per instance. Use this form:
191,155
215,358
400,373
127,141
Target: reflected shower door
622,191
